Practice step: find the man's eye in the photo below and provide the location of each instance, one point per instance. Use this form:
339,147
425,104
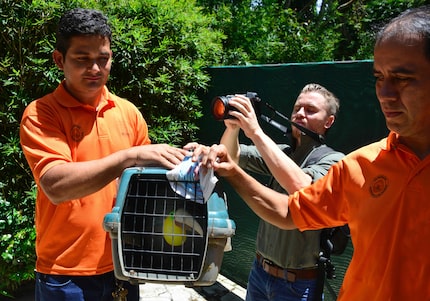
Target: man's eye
378,76
102,61
402,78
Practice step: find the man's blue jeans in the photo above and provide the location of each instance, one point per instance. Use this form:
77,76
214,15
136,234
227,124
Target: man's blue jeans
80,288
264,287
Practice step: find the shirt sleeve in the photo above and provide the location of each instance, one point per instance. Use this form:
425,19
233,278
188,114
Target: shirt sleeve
322,204
43,143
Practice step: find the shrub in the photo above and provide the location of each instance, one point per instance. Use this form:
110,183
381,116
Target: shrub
160,51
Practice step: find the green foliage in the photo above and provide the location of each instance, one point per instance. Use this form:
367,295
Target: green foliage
374,14
285,31
160,51
16,240
266,32
25,73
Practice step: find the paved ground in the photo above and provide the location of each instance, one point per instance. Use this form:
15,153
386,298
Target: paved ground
223,290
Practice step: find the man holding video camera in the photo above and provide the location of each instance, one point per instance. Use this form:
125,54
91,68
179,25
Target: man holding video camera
286,263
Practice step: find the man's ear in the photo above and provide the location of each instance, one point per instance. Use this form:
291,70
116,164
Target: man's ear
58,59
329,122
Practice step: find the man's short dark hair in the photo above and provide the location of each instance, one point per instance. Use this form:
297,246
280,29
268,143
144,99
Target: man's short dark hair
411,24
81,22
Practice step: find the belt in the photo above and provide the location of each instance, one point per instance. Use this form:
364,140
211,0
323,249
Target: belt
290,275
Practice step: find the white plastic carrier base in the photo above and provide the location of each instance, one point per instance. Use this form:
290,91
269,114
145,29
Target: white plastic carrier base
159,236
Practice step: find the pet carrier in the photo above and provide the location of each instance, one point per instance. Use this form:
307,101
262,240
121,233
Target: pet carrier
161,236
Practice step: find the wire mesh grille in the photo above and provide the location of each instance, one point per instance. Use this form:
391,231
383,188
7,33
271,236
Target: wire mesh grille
162,234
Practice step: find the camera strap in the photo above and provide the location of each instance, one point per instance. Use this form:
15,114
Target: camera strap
284,129
312,134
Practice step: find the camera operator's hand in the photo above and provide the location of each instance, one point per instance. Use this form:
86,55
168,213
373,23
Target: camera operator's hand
245,116
196,150
231,124
217,157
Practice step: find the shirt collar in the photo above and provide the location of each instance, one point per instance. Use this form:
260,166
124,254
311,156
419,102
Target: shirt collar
392,141
65,99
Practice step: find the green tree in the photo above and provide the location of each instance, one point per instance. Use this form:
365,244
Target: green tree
160,51
25,72
285,31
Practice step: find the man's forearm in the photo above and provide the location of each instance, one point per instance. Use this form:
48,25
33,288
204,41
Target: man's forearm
74,180
231,141
268,204
283,168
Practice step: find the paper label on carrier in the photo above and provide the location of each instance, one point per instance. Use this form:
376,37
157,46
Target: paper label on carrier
191,181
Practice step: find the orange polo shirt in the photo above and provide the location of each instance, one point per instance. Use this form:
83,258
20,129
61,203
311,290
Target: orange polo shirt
383,192
57,129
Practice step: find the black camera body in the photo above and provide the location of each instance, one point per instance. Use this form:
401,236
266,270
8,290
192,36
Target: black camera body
220,109
220,106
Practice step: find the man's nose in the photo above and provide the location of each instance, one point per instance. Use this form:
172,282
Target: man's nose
386,90
300,112
94,65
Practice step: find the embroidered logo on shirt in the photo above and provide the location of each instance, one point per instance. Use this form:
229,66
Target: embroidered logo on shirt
378,186
76,133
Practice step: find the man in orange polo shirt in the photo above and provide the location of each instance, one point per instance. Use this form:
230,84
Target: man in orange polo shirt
381,190
77,141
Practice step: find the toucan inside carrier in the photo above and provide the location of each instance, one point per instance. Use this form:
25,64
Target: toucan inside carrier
161,236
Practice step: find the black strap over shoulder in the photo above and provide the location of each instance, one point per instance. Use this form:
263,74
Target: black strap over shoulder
317,153
332,240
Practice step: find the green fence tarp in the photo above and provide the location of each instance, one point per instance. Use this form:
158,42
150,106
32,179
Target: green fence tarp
360,120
